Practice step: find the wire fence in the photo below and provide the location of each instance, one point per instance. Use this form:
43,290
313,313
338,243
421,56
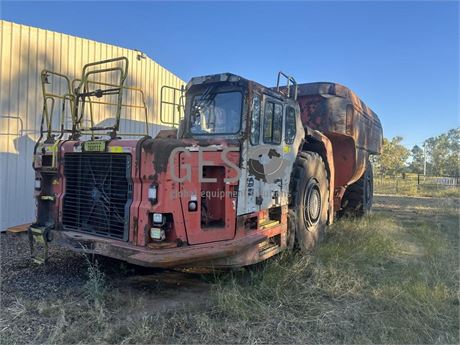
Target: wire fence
413,184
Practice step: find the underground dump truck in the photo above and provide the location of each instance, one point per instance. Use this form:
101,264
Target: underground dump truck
242,173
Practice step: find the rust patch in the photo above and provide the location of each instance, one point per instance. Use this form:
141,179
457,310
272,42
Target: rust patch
334,109
161,149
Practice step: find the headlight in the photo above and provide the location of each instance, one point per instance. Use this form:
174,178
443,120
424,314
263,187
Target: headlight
157,234
192,205
38,184
157,218
153,194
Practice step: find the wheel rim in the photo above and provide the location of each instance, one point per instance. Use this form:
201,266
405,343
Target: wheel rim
312,203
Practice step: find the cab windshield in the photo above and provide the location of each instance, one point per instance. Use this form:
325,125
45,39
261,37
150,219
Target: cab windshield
214,112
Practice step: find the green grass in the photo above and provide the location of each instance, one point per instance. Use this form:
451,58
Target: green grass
392,277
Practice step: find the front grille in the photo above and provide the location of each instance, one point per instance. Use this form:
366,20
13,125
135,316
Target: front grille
98,193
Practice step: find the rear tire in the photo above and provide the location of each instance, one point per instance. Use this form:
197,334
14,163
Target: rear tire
310,199
357,200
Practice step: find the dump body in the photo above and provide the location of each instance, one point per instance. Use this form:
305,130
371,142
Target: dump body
332,108
352,127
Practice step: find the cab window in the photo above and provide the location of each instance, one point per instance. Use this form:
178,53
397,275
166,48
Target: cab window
290,126
216,113
273,123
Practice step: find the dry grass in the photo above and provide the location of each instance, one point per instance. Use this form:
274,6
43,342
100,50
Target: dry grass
96,285
409,186
392,277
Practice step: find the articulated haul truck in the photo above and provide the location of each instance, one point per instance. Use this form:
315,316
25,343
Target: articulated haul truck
244,171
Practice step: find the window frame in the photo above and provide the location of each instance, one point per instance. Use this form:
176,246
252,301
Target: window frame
271,142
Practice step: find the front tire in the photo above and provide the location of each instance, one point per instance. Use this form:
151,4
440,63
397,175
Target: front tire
310,199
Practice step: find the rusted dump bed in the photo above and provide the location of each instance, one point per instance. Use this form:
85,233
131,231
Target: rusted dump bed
336,110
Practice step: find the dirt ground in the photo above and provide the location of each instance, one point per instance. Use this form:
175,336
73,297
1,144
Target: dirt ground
29,291
65,276
67,271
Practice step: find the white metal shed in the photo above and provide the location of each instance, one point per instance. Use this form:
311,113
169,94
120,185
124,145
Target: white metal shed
24,52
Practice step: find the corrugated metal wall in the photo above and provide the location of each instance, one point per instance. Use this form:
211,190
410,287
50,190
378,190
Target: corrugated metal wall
24,52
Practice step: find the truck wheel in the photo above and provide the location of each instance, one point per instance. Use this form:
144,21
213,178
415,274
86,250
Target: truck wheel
357,200
310,199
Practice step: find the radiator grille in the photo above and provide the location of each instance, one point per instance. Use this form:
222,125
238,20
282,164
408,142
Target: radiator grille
98,193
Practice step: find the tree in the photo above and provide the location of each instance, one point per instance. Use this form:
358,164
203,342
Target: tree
452,167
443,153
418,160
393,159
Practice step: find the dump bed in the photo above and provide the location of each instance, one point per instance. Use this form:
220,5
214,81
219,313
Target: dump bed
336,110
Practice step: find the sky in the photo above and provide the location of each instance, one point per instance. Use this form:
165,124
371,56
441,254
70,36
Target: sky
401,58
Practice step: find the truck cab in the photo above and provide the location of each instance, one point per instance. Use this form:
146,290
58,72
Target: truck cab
263,124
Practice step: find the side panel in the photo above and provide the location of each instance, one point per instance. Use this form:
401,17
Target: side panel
345,160
155,170
214,216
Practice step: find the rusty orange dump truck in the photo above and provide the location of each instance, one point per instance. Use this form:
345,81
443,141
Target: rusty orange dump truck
244,171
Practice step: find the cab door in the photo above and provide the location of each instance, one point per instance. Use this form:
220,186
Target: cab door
264,183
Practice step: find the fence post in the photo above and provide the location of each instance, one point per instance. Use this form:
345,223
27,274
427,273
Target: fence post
418,182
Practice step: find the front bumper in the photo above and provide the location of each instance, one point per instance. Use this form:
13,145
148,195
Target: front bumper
185,256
